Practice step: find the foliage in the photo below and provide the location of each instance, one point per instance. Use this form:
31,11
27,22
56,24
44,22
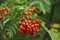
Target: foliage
9,25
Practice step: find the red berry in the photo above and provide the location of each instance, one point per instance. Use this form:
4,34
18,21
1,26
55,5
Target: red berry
37,21
23,23
33,7
0,10
26,13
30,30
30,17
1,17
3,9
34,29
21,31
29,22
23,19
32,33
32,26
29,13
8,10
27,30
37,25
21,27
19,22
24,29
33,22
28,26
4,12
30,10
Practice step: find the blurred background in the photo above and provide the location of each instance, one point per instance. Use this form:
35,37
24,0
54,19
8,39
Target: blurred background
51,17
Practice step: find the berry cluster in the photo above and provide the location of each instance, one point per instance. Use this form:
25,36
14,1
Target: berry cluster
29,11
4,10
27,26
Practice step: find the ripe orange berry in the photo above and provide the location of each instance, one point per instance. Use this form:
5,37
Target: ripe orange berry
30,30
1,11
30,17
8,10
26,13
36,25
21,31
37,21
19,23
1,17
32,26
27,30
33,22
34,29
23,23
29,13
32,33
4,12
23,19
29,22
32,9
21,27
28,26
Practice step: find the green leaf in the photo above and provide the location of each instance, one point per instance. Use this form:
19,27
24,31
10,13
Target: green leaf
47,7
16,27
47,2
13,29
34,2
20,1
42,8
8,29
20,8
10,34
6,20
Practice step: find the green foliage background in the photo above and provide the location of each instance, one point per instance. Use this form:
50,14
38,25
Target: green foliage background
9,27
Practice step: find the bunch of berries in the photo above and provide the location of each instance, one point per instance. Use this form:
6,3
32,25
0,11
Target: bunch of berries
4,10
27,26
29,11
